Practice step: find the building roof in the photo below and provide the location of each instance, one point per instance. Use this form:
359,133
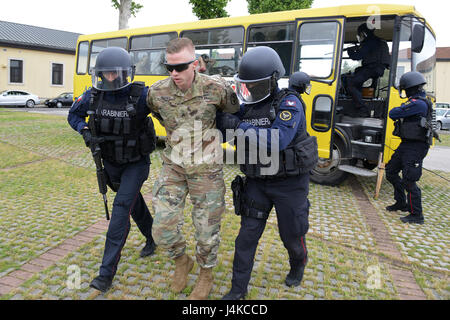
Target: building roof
443,54
31,37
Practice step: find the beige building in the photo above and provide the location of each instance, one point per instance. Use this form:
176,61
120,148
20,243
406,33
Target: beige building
443,74
38,60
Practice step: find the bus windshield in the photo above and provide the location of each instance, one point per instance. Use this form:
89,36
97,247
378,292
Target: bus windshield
423,62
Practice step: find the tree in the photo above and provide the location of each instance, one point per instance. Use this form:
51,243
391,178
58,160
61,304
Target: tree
262,6
209,9
127,8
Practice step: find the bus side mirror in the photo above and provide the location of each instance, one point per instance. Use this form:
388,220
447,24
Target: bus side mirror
418,38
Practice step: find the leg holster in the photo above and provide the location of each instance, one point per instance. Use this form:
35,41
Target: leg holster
237,186
245,206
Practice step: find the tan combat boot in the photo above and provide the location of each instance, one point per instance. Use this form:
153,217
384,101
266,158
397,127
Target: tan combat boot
203,286
183,264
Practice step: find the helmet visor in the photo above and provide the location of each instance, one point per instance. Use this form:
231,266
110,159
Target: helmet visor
253,91
308,89
111,79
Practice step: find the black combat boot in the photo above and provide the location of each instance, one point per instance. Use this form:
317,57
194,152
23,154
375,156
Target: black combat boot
397,206
413,218
295,275
149,249
234,295
101,283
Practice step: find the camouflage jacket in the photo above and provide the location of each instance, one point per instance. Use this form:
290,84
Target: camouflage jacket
190,120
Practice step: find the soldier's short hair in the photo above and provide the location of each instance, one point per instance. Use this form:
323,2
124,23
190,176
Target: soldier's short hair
178,44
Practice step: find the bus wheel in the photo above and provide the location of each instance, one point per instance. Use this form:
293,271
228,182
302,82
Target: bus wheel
327,172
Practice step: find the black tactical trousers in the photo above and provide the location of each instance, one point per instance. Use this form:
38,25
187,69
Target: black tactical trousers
357,79
408,158
128,201
290,198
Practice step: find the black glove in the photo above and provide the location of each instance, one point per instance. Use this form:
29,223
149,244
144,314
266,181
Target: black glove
226,120
87,137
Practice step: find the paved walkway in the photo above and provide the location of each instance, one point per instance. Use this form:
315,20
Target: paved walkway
438,158
404,280
16,278
402,276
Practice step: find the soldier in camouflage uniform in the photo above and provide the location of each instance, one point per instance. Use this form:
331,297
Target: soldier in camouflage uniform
186,104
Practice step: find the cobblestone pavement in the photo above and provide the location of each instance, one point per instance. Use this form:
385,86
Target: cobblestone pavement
52,232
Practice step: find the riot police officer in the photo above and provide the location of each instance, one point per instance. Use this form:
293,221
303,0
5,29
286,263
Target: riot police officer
374,53
126,137
409,125
265,110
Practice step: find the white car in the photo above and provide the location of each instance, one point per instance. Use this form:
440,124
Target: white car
442,105
442,119
18,98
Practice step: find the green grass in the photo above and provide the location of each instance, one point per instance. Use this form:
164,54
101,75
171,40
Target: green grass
445,138
11,156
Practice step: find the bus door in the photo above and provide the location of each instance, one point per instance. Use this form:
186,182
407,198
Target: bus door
318,53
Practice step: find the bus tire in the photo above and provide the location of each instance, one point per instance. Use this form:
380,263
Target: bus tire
327,172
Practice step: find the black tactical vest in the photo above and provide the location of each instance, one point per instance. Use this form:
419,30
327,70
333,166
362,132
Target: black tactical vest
412,128
127,134
299,157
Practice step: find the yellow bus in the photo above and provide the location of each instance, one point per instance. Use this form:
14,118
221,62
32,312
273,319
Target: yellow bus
310,40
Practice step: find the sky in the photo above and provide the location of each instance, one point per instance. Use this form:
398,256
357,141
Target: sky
93,16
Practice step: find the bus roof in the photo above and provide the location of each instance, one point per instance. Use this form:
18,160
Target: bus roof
348,11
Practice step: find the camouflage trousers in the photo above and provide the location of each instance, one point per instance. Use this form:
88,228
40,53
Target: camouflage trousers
206,191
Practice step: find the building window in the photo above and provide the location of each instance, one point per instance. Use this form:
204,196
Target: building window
15,71
57,74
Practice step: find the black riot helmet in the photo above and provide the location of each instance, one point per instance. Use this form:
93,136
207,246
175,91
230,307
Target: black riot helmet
364,32
259,70
412,82
300,82
113,69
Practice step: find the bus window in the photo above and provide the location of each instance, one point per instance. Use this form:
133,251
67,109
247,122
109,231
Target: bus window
321,113
317,41
82,62
221,48
148,52
278,37
99,45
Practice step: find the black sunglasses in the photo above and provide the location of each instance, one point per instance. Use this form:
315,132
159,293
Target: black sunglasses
178,67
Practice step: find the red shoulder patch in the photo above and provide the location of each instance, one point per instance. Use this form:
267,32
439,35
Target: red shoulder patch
291,103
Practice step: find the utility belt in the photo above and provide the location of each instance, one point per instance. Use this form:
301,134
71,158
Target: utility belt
243,205
299,157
